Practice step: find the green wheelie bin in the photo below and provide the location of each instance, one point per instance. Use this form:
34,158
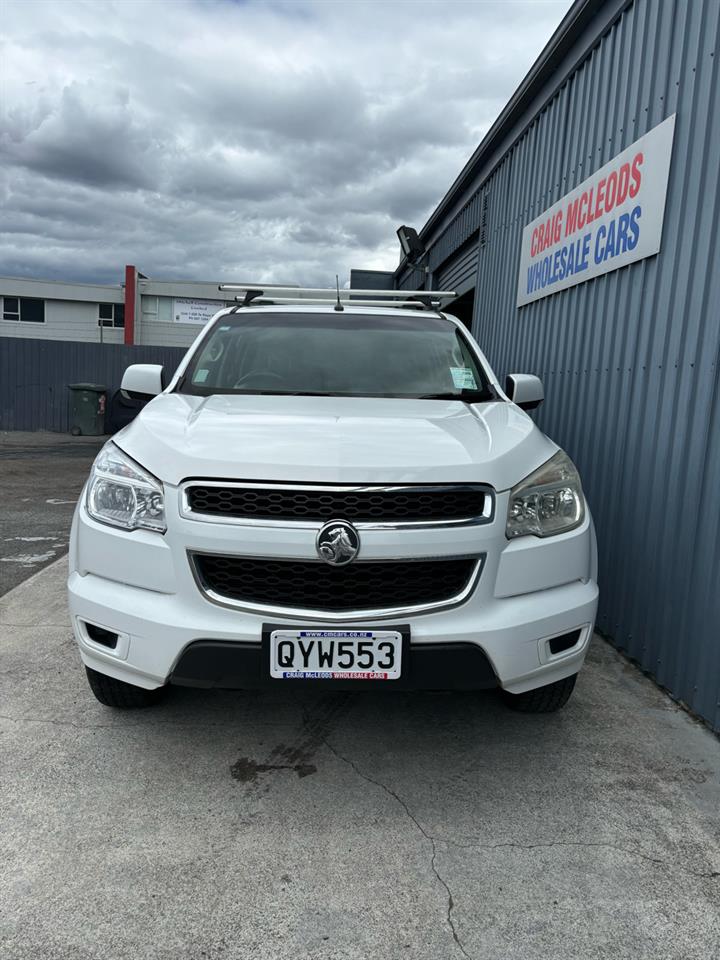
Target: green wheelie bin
87,409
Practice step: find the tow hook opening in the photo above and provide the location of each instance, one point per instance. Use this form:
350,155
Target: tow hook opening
564,642
105,638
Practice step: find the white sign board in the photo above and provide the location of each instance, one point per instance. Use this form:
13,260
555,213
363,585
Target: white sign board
613,218
195,311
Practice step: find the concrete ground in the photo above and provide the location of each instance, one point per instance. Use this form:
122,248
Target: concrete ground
41,476
312,826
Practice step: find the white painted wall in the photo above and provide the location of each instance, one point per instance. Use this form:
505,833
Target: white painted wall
71,311
64,320
155,323
165,334
60,290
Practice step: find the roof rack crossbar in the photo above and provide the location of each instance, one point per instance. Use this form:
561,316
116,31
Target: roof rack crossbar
270,289
261,300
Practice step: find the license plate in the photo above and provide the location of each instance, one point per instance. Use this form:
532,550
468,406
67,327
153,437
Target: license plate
335,654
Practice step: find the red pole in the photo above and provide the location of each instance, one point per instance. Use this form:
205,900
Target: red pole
130,294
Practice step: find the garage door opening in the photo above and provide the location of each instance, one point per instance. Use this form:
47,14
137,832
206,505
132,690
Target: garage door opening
463,307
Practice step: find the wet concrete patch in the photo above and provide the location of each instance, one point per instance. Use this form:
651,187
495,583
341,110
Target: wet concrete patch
319,720
247,771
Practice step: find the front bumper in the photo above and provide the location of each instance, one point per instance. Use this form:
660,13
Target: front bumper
140,586
426,666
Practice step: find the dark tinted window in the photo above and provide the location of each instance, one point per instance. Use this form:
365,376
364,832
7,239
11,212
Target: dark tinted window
111,314
339,354
24,309
31,310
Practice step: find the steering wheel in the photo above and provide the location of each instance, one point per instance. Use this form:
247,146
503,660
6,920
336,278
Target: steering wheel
215,351
256,373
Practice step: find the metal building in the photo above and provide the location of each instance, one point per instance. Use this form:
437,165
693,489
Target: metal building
629,357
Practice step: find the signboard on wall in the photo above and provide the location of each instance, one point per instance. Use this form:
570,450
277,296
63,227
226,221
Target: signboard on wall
195,311
613,218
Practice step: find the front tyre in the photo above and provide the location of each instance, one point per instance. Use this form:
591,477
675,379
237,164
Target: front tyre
545,699
117,693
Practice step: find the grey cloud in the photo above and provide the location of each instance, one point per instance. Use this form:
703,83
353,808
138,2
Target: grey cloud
90,142
216,140
226,179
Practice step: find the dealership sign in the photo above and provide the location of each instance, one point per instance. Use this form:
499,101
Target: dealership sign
613,218
195,311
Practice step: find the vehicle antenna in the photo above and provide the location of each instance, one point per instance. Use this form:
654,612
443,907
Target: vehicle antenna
338,305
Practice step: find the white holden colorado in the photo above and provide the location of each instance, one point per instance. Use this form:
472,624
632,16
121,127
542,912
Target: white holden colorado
332,495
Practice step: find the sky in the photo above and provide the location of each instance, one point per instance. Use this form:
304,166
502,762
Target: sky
240,141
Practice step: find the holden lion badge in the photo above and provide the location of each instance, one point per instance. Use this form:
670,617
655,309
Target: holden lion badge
338,542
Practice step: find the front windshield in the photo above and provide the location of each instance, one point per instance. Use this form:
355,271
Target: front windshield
338,354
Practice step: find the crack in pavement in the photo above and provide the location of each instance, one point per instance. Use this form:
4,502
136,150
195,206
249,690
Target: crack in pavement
430,839
309,723
433,841
628,851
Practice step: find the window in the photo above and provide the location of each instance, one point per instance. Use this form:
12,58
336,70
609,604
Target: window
111,314
337,355
165,309
157,308
11,308
23,309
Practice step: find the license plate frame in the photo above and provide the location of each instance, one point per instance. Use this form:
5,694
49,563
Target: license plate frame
327,678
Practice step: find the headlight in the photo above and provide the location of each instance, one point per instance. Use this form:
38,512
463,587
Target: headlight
124,495
547,502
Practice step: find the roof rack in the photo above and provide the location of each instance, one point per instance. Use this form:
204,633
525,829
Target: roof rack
257,299
400,299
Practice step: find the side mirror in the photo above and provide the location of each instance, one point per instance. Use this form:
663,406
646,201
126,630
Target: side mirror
525,390
142,381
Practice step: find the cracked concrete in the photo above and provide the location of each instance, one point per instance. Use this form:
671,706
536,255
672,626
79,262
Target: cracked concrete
437,827
425,834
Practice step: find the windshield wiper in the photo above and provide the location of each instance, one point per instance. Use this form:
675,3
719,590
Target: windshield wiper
465,396
290,393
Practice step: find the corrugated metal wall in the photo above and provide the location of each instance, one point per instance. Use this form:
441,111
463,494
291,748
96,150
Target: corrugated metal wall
372,279
34,376
460,271
630,360
468,222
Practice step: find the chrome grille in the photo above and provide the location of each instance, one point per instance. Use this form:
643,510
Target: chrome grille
370,505
308,587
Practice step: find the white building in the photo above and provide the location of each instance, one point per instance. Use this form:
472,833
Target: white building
141,310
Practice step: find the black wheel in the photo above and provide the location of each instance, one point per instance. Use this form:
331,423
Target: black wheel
545,699
117,693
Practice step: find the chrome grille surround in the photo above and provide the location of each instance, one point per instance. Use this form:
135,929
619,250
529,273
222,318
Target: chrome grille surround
347,615
335,491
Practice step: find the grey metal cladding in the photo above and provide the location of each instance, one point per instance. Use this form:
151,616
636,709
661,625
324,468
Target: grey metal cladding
371,279
34,376
413,279
630,359
460,271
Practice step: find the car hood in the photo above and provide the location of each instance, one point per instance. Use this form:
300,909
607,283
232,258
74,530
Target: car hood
334,440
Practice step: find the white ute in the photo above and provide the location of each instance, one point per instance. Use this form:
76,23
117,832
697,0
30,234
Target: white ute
333,492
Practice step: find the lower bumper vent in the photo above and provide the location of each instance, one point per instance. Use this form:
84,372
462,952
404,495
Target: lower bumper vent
365,586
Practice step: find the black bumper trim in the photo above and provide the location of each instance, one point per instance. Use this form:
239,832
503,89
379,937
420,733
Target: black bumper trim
244,666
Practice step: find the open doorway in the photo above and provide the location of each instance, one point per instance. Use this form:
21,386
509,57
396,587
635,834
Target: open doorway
463,307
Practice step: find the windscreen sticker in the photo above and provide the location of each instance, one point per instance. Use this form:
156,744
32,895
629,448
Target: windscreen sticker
463,378
200,376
